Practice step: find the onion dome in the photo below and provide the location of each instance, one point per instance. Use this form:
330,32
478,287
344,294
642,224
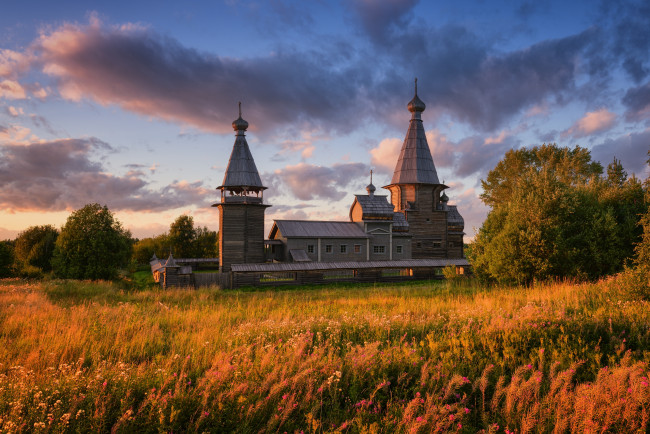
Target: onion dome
370,188
240,124
416,104
444,198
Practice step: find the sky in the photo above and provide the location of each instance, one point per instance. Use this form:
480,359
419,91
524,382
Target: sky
130,104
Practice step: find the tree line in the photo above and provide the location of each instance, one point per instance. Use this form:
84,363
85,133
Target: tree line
94,245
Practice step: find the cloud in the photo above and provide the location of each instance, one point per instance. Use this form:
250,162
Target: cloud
385,155
630,21
14,112
11,89
631,149
13,63
60,175
308,181
379,16
637,102
154,75
591,123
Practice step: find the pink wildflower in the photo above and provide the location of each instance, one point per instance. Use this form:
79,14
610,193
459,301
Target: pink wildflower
104,384
467,410
452,417
285,396
529,366
460,425
206,413
419,419
417,394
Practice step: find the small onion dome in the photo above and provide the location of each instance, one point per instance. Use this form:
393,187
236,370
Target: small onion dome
416,104
240,124
444,197
370,188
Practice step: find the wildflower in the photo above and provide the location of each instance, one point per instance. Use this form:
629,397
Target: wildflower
460,425
467,410
206,413
452,417
285,396
417,394
419,419
529,366
104,384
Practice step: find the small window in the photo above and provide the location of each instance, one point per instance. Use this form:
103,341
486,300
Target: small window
328,248
451,244
310,248
398,249
378,249
437,244
344,248
419,245
357,248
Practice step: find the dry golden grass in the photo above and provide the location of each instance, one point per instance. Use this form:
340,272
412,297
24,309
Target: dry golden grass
84,356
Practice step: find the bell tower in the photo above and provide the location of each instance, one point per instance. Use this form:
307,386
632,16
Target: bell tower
241,210
416,190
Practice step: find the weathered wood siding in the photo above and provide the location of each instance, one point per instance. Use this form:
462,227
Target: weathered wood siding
241,234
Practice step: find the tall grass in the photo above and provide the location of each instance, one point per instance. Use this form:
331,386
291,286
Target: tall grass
80,356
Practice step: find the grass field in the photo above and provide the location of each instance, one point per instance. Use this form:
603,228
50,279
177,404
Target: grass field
420,357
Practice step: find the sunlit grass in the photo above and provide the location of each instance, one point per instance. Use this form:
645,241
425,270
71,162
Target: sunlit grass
418,357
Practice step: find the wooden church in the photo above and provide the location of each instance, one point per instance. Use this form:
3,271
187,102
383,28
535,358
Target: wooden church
416,227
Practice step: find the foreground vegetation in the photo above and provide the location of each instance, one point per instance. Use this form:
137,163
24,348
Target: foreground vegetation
82,356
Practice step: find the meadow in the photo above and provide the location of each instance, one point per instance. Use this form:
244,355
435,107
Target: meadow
416,357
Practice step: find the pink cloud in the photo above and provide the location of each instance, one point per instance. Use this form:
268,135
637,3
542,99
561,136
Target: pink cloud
11,89
591,123
385,155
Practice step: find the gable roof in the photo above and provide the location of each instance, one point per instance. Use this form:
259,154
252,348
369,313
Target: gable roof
316,229
374,206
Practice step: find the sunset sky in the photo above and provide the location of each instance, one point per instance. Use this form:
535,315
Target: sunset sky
130,104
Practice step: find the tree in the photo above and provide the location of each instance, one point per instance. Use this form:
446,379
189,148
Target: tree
553,216
35,247
6,259
182,237
183,240
92,245
144,249
206,243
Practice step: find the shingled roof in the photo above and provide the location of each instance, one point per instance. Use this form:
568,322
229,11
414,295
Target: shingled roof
415,164
374,206
241,170
316,229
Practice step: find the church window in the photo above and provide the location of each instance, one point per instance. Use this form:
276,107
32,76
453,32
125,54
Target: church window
357,248
398,249
328,248
310,248
344,248
379,249
437,244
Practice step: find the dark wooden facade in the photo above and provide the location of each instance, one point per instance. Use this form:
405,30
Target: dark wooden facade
241,234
